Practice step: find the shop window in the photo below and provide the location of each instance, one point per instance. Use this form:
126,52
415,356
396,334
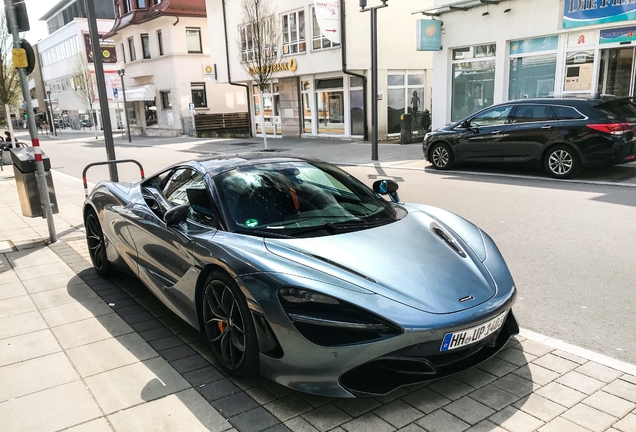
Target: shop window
294,32
532,76
478,51
319,41
330,106
356,105
305,88
405,95
193,40
579,67
166,102
199,98
145,45
160,42
473,85
150,111
615,73
131,49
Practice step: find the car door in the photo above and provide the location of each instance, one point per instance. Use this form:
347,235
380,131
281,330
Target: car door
532,127
481,139
165,253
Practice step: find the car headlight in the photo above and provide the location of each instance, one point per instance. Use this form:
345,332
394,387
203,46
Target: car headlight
328,321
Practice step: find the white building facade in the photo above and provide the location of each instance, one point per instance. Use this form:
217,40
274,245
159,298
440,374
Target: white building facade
164,50
60,55
311,95
514,49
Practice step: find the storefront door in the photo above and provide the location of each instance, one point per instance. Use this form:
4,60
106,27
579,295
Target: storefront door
270,105
616,75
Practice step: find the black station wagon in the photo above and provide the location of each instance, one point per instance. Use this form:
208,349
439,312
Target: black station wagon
563,134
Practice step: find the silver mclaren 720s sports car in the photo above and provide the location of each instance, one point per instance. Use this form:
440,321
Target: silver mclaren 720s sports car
296,270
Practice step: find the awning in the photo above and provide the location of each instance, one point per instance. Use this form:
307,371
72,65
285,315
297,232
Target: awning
144,92
455,6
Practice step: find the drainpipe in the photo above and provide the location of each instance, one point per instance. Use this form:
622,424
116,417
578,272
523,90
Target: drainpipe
343,51
229,78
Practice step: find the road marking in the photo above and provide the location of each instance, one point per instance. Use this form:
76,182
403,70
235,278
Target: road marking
604,360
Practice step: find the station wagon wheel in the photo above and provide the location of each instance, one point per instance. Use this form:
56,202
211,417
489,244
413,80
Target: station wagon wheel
561,162
441,156
229,327
96,244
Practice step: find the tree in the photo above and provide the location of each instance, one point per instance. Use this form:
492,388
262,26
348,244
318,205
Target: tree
10,90
84,88
259,47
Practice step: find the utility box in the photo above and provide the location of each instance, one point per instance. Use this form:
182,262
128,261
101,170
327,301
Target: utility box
24,170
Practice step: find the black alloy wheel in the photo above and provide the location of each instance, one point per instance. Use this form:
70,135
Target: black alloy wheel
441,156
562,162
96,244
229,326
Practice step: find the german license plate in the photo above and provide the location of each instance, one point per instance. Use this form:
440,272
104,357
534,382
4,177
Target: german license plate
474,334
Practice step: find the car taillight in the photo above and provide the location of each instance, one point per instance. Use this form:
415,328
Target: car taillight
613,128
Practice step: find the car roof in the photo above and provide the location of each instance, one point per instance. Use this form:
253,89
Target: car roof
217,164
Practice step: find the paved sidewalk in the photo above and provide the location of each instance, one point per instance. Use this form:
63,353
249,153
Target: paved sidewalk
83,353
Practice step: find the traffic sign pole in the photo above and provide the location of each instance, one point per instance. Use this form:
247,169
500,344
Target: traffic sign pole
40,175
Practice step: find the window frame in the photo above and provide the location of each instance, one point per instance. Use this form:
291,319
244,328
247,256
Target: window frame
325,43
160,42
123,52
131,49
246,35
300,43
197,30
167,102
205,96
145,48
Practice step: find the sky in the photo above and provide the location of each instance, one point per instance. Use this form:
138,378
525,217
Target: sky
35,9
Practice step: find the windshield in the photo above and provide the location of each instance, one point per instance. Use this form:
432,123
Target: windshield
298,198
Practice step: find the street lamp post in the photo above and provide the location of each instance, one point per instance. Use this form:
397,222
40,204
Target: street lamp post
53,130
374,73
121,73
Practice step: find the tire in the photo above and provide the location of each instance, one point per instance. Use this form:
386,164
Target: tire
229,327
96,244
441,156
561,161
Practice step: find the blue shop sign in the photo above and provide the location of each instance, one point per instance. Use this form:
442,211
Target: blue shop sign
523,46
429,35
577,13
625,34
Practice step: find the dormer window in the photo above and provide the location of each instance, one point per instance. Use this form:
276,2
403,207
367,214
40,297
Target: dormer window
127,6
141,4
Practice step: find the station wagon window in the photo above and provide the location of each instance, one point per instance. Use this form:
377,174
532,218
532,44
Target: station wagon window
567,113
492,117
532,113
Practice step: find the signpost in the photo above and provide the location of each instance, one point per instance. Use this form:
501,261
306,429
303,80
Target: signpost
191,108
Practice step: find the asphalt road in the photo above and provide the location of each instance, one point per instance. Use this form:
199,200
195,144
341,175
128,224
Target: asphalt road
570,246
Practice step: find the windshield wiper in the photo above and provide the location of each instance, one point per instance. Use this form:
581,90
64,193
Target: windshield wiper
261,233
340,227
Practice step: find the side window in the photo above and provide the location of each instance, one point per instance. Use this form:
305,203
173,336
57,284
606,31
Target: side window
567,113
492,117
186,186
533,113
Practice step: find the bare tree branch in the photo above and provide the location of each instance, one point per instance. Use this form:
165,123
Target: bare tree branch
10,90
259,41
83,81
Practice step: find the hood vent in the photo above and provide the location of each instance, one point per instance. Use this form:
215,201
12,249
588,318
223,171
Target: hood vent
340,266
448,239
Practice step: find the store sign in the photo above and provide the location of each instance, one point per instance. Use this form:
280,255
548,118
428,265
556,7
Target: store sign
112,81
209,72
290,65
581,39
106,47
523,46
578,13
328,17
626,34
429,35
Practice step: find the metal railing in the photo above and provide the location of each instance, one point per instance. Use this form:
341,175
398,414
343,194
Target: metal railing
114,162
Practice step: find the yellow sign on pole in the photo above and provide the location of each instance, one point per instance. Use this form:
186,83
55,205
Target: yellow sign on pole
20,58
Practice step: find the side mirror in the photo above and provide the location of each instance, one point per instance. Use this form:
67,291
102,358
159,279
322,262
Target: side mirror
176,215
387,187
465,124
